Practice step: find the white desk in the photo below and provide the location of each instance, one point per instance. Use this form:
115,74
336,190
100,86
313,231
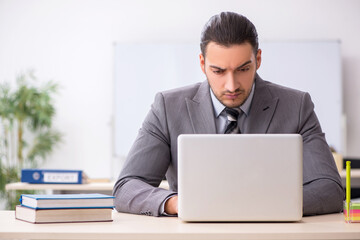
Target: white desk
355,178
126,226
98,187
101,187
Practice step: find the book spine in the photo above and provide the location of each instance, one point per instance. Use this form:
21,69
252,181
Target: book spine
44,176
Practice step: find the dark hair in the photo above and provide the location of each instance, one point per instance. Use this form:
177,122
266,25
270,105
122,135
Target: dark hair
228,28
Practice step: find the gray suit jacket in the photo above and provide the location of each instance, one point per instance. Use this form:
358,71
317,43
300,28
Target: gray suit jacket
188,110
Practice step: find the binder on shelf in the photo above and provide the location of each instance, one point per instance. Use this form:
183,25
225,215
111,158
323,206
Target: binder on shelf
52,176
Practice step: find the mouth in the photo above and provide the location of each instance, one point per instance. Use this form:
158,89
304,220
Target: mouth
232,96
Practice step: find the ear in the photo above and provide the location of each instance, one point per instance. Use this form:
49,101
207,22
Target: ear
202,62
258,59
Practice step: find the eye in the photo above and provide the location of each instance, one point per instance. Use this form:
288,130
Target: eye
218,71
244,69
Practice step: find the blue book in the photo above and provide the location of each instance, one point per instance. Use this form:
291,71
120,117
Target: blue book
61,201
51,176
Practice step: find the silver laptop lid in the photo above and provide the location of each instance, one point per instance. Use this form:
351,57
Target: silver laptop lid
240,177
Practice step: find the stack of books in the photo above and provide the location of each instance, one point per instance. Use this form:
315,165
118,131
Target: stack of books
56,208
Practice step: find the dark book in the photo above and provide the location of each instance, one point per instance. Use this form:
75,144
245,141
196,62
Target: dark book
63,215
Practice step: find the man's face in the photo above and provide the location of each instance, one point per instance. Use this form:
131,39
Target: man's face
230,71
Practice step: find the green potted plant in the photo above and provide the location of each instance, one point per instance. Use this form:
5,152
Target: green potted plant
26,134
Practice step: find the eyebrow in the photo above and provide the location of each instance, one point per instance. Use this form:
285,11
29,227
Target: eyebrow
222,69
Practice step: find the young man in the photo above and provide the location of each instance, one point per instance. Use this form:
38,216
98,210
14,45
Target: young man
229,58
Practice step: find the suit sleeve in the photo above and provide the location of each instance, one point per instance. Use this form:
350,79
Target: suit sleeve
323,192
136,190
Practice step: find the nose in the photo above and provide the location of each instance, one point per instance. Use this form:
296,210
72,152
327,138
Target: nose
230,83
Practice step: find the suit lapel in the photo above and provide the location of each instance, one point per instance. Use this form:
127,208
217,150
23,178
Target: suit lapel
262,109
201,111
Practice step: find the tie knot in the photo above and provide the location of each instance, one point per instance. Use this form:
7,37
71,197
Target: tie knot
232,114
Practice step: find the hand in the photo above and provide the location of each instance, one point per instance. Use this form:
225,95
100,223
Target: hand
171,205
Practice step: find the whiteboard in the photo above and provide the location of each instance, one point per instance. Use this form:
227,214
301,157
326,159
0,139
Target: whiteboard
142,70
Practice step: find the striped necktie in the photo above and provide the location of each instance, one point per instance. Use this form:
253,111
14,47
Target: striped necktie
232,116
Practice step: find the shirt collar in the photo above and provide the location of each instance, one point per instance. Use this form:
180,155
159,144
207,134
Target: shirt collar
219,107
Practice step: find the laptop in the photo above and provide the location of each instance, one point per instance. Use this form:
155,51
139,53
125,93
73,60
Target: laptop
240,177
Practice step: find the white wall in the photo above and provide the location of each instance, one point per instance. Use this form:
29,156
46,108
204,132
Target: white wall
72,42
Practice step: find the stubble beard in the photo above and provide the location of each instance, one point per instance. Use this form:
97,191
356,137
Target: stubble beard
235,103
244,95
